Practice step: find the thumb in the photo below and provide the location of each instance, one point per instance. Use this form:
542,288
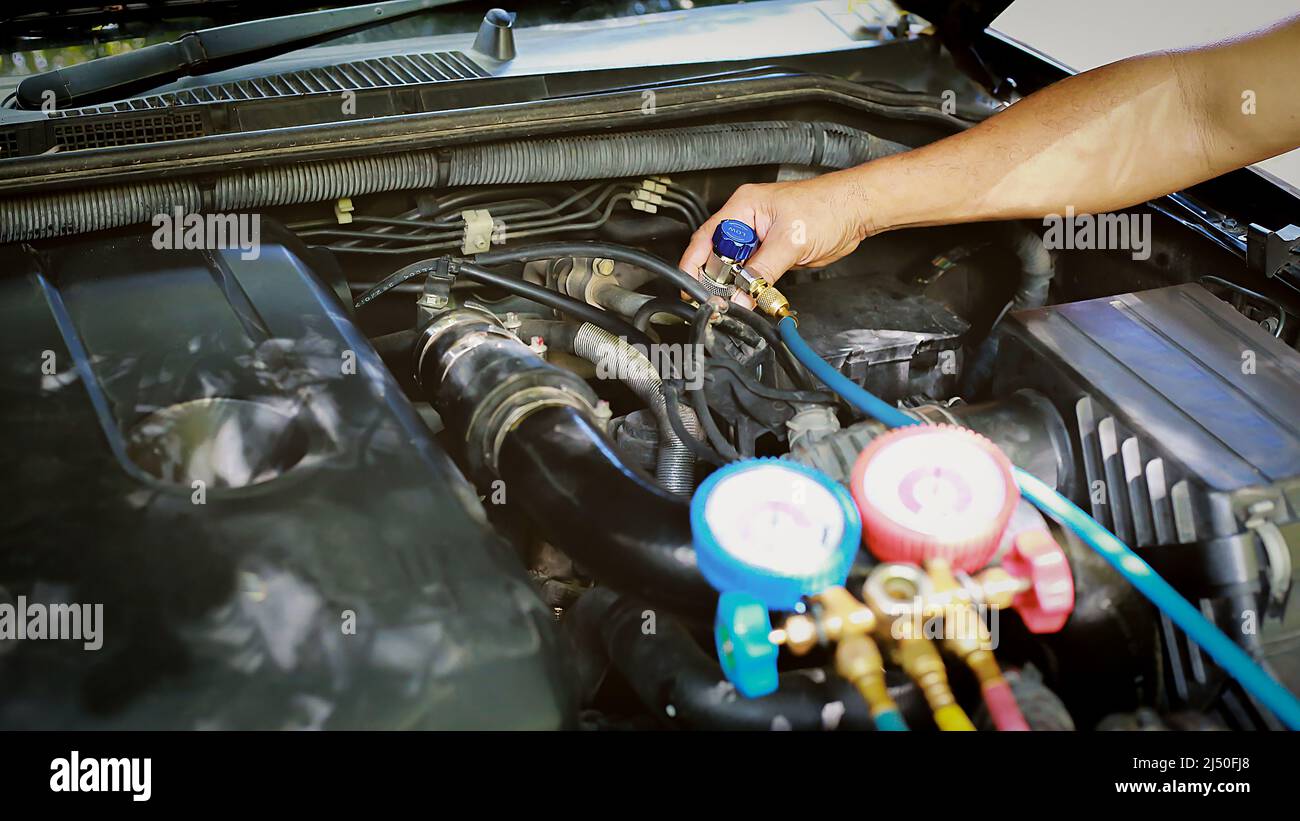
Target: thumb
774,257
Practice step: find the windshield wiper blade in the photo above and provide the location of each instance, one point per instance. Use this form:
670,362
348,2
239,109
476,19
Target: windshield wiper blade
203,52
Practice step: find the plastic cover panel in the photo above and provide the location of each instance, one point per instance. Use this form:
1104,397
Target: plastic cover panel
346,580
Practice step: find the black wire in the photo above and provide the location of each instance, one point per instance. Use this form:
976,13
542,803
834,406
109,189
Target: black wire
579,310
817,397
686,311
688,219
661,305
797,373
672,405
688,193
697,398
1256,295
608,250
686,206
388,283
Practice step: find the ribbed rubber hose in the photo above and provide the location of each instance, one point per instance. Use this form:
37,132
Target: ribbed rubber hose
558,159
675,467
668,150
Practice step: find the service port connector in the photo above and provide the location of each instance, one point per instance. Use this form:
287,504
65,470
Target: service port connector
766,297
733,243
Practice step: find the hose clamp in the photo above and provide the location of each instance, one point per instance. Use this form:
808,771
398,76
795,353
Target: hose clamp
507,416
445,322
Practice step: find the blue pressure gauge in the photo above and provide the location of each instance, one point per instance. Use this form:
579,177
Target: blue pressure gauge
775,530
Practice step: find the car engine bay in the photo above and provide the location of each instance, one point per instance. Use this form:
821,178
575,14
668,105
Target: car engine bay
434,440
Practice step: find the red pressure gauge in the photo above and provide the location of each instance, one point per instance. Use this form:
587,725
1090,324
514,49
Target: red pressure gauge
934,492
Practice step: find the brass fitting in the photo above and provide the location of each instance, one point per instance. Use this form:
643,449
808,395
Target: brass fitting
916,655
842,615
837,617
858,659
965,635
921,661
999,588
798,634
769,300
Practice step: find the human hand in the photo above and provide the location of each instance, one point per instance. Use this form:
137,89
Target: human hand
808,223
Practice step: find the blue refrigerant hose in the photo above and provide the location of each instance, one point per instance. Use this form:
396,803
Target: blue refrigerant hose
1254,678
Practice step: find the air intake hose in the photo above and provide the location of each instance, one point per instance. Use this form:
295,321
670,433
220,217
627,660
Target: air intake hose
530,425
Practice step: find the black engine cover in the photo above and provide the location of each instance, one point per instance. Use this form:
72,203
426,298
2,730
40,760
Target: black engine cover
331,569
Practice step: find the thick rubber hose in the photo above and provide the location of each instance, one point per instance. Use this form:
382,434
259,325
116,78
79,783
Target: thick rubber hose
609,250
667,150
78,212
603,156
1234,660
683,685
567,477
675,468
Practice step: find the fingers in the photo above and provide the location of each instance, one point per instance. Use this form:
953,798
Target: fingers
743,299
776,255
741,207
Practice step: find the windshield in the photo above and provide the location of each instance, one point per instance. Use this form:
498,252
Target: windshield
40,36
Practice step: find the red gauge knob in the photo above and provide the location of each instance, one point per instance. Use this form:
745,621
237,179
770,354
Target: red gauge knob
1035,557
934,492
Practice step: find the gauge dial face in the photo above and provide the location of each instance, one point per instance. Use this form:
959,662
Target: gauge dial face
942,485
776,519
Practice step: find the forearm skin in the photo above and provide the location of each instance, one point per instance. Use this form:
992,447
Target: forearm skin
1103,140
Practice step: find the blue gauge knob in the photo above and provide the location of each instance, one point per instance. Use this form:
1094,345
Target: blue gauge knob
741,632
734,240
775,530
